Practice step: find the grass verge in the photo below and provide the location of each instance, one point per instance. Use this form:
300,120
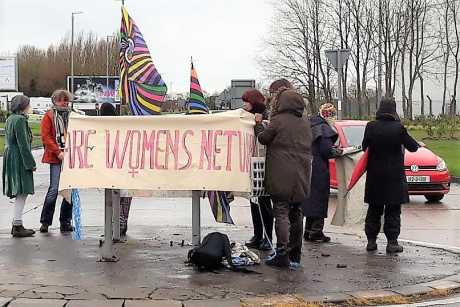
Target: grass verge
449,150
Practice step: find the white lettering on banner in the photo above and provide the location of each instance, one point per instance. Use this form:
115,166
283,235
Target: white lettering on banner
170,152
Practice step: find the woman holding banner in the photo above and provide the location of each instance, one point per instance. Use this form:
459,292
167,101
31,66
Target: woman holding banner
18,162
316,206
54,133
254,102
287,170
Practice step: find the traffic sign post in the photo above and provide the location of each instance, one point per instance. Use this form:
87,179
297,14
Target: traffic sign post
337,58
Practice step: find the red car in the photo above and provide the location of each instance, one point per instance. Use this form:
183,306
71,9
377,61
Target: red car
426,173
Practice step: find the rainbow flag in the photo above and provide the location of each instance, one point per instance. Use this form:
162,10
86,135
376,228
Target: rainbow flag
141,86
220,206
196,103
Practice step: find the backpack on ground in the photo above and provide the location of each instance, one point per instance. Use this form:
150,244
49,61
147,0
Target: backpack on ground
209,255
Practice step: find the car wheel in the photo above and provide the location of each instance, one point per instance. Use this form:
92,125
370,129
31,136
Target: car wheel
434,198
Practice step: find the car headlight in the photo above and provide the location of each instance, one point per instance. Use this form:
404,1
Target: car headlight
441,166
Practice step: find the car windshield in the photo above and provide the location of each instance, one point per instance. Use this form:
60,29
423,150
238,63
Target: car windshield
354,134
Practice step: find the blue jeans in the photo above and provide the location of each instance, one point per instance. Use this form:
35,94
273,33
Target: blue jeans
51,197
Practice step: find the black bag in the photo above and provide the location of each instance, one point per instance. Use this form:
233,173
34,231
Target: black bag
209,255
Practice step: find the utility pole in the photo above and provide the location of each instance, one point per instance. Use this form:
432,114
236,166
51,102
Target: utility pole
379,62
72,51
107,62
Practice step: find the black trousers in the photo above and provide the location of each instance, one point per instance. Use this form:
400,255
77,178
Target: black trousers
267,217
392,221
314,226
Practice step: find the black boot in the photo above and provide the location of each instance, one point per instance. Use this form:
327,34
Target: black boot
254,242
281,260
319,237
371,245
393,247
44,228
265,245
67,227
123,230
20,232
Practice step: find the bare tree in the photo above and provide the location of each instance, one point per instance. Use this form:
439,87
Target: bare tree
41,71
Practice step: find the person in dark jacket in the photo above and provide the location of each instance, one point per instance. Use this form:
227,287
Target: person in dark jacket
315,207
262,211
18,162
107,109
287,170
386,185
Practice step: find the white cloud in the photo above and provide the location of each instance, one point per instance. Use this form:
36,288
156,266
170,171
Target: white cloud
223,36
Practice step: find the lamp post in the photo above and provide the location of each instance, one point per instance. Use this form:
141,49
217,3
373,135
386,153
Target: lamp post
72,51
107,62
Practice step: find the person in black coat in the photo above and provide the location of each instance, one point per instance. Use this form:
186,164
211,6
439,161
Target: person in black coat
386,185
315,207
262,211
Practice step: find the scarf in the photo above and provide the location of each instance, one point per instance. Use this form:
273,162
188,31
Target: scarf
61,120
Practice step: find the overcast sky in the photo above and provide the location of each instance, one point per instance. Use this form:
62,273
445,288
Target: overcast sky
223,36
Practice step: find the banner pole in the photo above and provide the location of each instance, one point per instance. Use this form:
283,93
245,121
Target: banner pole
196,218
107,254
116,215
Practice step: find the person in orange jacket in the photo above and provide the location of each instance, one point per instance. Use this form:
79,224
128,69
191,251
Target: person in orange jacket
53,133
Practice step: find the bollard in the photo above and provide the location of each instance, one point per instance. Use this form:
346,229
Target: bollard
196,218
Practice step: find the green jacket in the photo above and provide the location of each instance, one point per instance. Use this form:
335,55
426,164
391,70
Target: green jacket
18,161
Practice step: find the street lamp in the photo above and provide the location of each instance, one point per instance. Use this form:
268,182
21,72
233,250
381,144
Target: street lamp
72,51
107,63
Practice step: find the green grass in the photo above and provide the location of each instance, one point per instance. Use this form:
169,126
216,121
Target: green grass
449,150
34,126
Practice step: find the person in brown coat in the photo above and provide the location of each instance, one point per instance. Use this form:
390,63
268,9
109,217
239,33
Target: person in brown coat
288,138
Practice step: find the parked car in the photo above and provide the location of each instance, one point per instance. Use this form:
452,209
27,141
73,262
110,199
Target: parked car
426,173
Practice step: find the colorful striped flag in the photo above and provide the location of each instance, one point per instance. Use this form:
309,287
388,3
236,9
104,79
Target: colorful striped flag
141,86
220,206
196,103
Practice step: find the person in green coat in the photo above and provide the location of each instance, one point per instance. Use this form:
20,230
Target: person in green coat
18,162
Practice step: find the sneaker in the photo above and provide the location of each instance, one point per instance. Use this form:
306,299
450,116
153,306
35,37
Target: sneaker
295,265
21,232
44,228
67,228
393,247
371,245
281,260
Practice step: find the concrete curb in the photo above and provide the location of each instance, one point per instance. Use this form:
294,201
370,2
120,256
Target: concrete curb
455,179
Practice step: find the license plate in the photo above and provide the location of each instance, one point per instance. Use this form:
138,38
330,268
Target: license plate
416,179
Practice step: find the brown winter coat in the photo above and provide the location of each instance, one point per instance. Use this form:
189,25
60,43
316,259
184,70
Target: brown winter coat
288,139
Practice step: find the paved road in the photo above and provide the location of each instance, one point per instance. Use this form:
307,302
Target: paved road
433,223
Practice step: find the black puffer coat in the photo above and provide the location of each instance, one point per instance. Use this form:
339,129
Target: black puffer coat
386,138
324,138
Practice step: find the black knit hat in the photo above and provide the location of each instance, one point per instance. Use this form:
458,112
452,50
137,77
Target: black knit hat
107,109
387,109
